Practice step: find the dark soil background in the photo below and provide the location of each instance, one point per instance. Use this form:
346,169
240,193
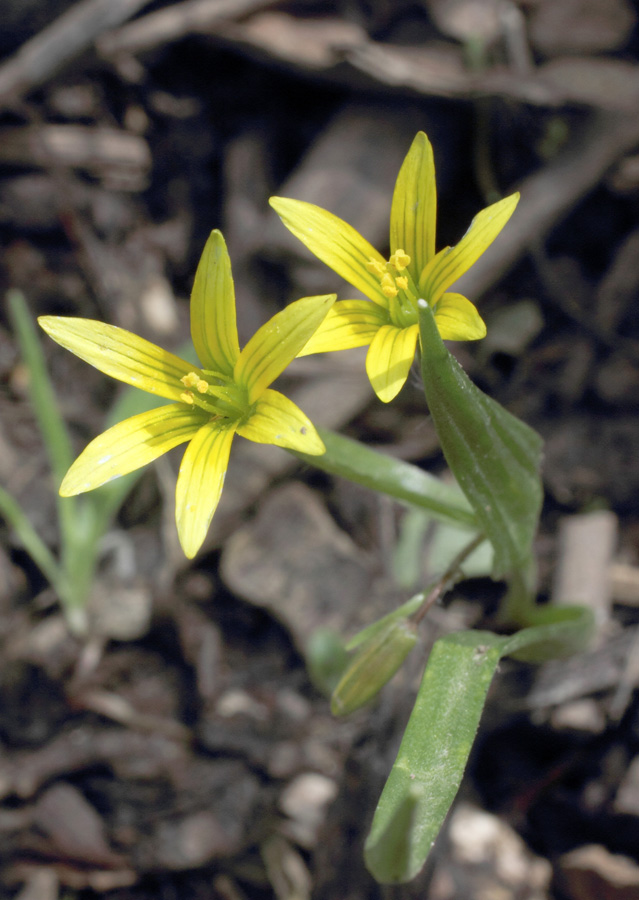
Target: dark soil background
180,749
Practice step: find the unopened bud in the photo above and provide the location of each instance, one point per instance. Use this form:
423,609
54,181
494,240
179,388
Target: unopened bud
373,666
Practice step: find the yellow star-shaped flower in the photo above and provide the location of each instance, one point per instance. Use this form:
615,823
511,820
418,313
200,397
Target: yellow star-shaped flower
390,323
229,394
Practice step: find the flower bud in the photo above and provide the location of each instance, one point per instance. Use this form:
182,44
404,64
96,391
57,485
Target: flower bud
373,666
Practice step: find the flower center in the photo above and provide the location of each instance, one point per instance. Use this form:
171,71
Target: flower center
397,286
217,394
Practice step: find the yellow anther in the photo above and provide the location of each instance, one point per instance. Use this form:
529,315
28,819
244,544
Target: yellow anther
186,397
400,259
202,386
402,282
190,380
388,286
376,267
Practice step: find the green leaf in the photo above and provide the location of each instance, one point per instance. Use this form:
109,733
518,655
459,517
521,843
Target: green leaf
12,513
434,751
494,456
440,733
43,398
554,631
398,479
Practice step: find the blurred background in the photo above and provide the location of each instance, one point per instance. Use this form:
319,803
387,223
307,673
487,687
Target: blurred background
180,748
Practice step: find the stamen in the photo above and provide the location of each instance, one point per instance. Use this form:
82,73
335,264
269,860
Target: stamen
399,260
376,267
190,380
388,286
402,282
187,397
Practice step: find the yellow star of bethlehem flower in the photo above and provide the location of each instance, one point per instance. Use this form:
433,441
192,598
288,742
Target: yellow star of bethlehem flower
228,395
413,271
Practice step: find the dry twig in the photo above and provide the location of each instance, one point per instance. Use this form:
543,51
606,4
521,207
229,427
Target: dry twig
67,37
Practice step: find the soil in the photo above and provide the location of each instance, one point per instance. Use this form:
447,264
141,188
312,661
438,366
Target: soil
179,747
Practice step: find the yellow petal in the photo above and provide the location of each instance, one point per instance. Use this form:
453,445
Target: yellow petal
389,359
130,445
451,263
350,323
334,242
213,316
120,354
414,209
200,483
457,319
277,420
277,343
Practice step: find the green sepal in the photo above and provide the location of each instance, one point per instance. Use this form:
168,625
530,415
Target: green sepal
494,456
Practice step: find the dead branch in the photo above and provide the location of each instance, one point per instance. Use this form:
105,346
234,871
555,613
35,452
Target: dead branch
550,194
42,56
174,22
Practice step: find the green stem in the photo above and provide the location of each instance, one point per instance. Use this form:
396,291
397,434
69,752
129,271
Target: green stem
401,480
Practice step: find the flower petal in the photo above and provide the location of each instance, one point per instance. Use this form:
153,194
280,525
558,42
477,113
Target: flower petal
350,323
200,482
451,263
130,445
120,354
213,316
277,343
414,208
457,319
334,242
389,359
277,420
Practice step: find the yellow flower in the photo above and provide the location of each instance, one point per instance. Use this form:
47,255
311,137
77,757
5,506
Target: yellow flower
414,271
229,394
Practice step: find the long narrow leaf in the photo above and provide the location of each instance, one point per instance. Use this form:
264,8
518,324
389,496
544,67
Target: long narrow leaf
44,401
494,456
434,750
398,479
12,513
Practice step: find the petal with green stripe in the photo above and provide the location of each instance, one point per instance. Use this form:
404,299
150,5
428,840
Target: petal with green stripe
414,207
457,319
213,315
130,445
334,242
277,420
120,354
350,323
277,343
389,359
200,483
451,263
